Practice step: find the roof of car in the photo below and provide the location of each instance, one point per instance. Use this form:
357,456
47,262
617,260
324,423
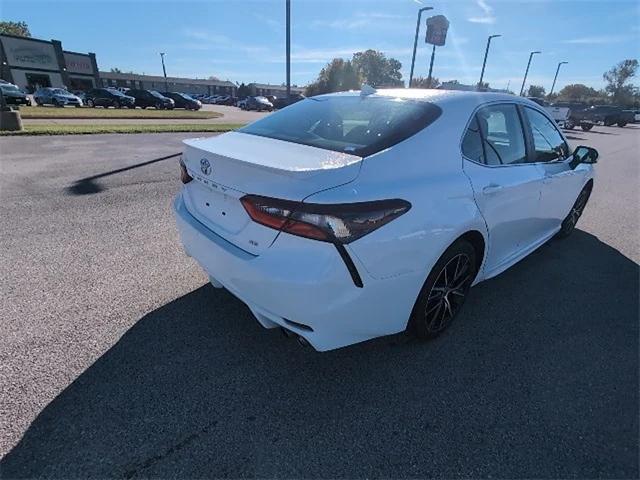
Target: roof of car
435,95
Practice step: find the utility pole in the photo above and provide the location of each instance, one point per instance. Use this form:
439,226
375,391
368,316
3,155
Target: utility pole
556,77
484,63
164,71
415,43
527,71
288,48
433,56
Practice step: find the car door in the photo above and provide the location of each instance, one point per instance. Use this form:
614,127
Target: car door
507,187
103,98
561,183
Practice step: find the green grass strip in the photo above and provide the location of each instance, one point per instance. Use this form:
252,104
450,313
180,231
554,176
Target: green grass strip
86,112
61,129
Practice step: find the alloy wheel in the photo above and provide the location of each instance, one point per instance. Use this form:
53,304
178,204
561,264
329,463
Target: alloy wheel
448,293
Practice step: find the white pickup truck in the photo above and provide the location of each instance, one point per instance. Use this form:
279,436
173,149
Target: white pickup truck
559,114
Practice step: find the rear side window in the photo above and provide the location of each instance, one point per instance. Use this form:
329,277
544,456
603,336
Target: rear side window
502,135
352,124
548,144
472,142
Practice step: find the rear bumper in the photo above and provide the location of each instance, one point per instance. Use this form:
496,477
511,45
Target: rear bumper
302,281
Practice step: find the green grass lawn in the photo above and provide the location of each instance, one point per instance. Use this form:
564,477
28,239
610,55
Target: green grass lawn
61,129
99,112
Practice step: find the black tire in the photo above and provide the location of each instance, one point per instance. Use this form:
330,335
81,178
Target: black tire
116,104
158,106
586,126
571,220
622,124
91,103
608,122
569,125
453,275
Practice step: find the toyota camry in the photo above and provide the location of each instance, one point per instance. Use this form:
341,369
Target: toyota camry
348,216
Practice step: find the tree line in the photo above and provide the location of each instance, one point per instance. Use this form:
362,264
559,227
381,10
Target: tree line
374,68
618,91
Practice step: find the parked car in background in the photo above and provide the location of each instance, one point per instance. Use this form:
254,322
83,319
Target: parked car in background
182,100
577,117
608,115
331,201
151,98
258,104
209,99
225,100
282,102
13,95
559,113
108,97
241,103
634,113
81,94
58,97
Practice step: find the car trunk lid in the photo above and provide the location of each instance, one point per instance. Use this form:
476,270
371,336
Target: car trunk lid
227,167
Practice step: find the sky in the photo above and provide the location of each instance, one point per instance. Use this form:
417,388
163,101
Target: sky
244,41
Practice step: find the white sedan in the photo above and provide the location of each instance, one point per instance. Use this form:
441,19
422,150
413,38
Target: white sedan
349,216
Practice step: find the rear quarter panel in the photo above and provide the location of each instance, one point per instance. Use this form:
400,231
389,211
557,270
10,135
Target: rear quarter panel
425,170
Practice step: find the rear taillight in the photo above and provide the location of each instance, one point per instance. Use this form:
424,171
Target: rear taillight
184,174
336,223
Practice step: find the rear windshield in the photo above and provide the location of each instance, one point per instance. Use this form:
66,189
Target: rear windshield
352,124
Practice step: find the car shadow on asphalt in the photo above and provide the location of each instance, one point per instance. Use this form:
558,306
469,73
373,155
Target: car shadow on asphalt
88,185
538,377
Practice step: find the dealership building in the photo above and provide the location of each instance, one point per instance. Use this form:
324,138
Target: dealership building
173,84
31,63
265,89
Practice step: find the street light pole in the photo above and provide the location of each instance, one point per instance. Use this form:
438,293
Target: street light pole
527,71
415,42
164,71
484,63
288,15
556,77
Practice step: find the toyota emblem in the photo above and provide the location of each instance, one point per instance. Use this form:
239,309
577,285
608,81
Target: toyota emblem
205,166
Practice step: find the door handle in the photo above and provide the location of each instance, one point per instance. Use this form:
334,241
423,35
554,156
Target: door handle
490,189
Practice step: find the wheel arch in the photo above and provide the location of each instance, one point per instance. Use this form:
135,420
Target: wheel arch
589,185
479,244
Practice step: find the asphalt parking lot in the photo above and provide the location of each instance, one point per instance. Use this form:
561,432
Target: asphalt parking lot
117,359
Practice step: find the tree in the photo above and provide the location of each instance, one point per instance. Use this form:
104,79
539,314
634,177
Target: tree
20,29
422,82
243,91
617,79
377,70
116,70
338,75
536,91
579,93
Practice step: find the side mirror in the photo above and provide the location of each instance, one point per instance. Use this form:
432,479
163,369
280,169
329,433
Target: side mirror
584,154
